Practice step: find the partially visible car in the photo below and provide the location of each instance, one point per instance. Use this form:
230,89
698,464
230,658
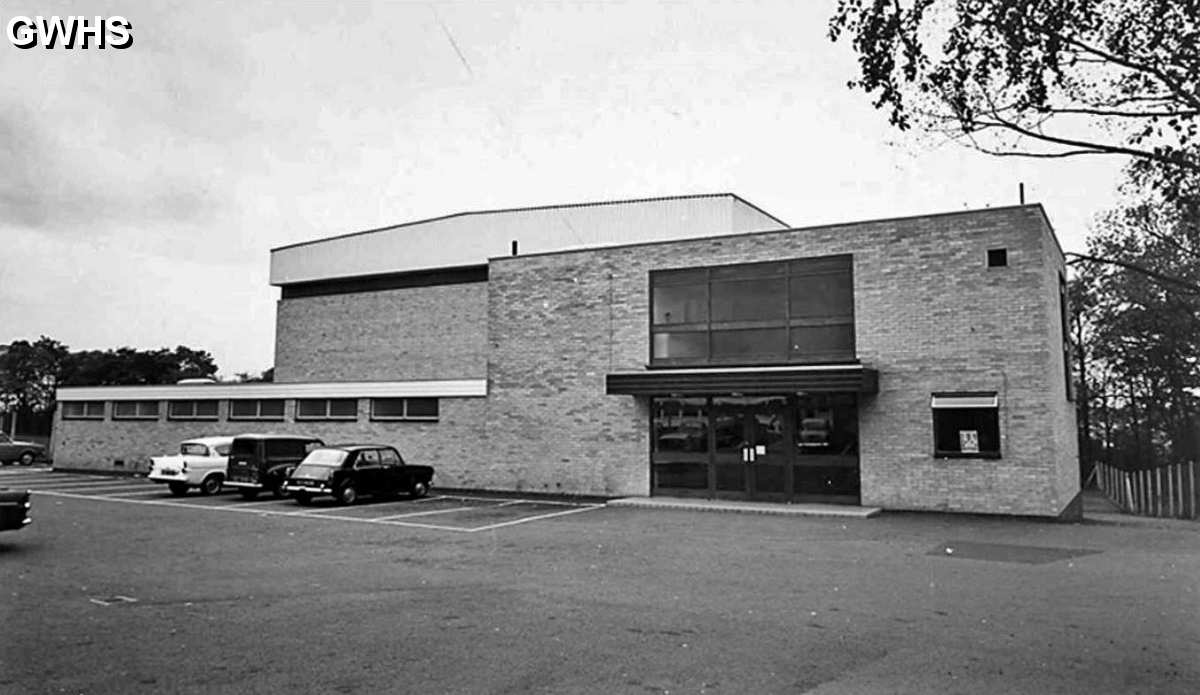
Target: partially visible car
262,462
14,509
346,472
17,451
200,463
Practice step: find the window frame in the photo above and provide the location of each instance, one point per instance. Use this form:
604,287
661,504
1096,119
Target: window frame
327,413
405,417
138,413
194,402
704,331
957,402
86,413
258,409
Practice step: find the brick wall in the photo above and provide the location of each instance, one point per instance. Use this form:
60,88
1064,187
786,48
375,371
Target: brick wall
396,335
930,316
452,445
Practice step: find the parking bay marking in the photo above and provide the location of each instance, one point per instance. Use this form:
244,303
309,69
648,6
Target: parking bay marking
390,521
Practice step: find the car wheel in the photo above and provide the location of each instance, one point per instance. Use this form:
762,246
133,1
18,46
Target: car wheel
347,494
303,499
210,485
27,458
249,493
418,490
178,489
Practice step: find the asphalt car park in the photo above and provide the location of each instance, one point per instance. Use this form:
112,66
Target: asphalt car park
120,588
460,513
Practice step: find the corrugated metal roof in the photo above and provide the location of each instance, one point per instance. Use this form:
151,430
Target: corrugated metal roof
470,238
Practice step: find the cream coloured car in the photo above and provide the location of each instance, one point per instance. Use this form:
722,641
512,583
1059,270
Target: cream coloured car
200,463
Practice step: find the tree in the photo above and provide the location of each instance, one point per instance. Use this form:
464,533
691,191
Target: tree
1039,78
29,373
267,375
1137,337
128,366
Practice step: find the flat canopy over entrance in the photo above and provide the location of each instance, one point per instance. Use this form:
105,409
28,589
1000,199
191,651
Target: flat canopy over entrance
807,378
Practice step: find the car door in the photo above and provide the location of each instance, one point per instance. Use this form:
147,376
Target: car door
392,474
368,471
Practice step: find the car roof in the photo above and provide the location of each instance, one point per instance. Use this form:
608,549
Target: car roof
216,440
357,447
274,435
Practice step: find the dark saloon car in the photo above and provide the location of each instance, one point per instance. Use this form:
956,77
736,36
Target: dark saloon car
14,509
17,451
349,471
262,462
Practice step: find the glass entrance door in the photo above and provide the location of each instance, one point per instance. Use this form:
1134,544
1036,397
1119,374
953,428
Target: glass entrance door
771,448
751,459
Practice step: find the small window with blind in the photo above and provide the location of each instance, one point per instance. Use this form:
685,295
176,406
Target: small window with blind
256,409
416,409
83,410
327,409
192,410
135,410
966,425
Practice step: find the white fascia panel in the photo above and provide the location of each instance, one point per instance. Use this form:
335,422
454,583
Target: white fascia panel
456,388
964,402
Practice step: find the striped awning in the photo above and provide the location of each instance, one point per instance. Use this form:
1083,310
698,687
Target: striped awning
823,378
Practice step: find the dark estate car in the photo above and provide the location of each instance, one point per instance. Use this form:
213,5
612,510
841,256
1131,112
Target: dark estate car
259,462
15,451
350,470
14,509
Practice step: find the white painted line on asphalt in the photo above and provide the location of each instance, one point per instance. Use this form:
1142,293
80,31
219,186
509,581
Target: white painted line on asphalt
429,513
510,500
242,508
103,488
52,479
539,517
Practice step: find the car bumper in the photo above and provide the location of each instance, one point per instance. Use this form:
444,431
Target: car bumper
244,485
170,478
307,489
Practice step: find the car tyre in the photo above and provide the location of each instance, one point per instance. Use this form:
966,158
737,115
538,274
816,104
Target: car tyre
249,493
211,485
303,499
26,458
178,489
418,490
347,494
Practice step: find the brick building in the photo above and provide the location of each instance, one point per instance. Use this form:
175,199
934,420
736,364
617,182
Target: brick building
692,346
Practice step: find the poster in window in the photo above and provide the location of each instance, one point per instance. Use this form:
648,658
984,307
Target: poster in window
968,441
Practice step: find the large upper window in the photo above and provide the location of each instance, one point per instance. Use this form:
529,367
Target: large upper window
756,313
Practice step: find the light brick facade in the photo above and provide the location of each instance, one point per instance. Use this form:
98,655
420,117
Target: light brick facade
545,330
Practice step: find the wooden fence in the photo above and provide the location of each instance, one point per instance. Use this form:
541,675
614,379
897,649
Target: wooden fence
1167,491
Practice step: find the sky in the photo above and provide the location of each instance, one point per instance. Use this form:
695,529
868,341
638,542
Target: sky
141,190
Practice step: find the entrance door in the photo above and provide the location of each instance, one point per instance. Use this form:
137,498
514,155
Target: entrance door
751,456
775,448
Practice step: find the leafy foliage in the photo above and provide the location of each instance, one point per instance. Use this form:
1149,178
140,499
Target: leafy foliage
1039,78
30,372
1137,335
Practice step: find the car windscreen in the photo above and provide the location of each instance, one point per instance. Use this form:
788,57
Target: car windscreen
193,449
325,457
222,449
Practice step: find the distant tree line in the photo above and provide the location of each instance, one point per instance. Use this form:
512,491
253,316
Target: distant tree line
30,372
